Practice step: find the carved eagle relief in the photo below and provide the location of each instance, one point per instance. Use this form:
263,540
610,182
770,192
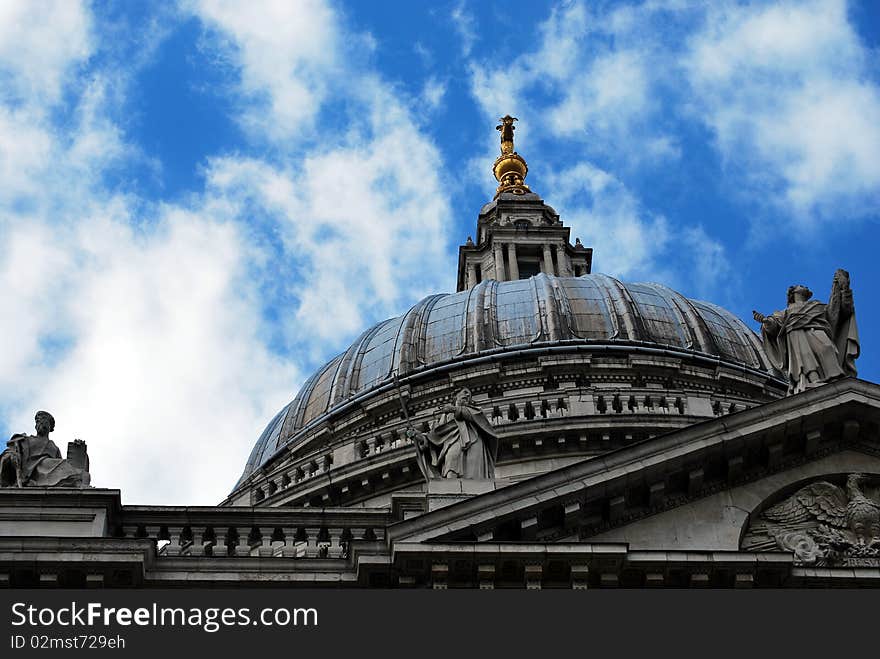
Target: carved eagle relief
822,523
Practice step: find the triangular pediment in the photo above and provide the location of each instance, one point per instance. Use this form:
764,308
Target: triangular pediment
831,428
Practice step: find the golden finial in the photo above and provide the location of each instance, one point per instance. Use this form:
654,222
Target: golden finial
510,168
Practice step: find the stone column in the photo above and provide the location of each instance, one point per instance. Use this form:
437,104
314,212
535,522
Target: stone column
500,274
471,275
511,259
547,262
564,265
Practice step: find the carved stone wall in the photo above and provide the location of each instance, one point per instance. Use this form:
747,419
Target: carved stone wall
722,521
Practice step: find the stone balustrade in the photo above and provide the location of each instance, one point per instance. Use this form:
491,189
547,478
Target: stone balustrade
235,532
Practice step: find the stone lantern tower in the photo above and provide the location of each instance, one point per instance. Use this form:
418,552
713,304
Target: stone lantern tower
518,235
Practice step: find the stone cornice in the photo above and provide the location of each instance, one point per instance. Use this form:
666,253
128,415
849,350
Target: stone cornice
606,476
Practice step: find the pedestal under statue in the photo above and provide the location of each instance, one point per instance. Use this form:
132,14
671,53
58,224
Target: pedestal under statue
813,343
35,461
461,442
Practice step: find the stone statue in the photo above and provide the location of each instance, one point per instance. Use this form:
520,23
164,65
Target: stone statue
461,443
35,461
823,523
506,127
813,343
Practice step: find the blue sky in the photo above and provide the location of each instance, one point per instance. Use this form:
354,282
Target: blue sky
202,202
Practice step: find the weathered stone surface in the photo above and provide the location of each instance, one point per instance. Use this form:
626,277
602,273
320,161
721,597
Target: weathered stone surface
718,522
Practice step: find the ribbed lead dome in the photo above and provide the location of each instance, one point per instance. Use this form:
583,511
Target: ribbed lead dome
495,316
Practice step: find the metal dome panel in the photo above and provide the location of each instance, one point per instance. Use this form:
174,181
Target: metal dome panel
593,309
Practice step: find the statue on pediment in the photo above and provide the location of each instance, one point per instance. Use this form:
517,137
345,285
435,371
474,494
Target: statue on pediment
461,443
35,460
823,524
813,343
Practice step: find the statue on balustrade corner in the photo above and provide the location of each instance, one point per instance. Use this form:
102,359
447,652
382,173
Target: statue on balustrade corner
35,461
461,443
813,343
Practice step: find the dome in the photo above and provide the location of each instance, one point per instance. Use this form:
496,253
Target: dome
500,317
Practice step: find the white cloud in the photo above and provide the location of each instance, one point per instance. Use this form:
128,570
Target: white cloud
433,92
141,333
605,99
39,43
286,52
143,326
786,91
363,244
709,273
591,76
358,214
166,377
633,243
605,214
465,25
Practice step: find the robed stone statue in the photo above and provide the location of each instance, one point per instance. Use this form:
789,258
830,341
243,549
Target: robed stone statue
813,343
461,443
35,461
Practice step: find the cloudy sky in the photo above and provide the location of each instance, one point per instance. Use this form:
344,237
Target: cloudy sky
201,203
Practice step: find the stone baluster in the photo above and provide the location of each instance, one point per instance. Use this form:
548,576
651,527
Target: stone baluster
580,577
744,580
335,538
242,545
219,547
95,580
265,548
440,576
286,547
48,579
173,547
129,530
200,542
533,574
486,576
655,580
356,533
312,539
152,532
